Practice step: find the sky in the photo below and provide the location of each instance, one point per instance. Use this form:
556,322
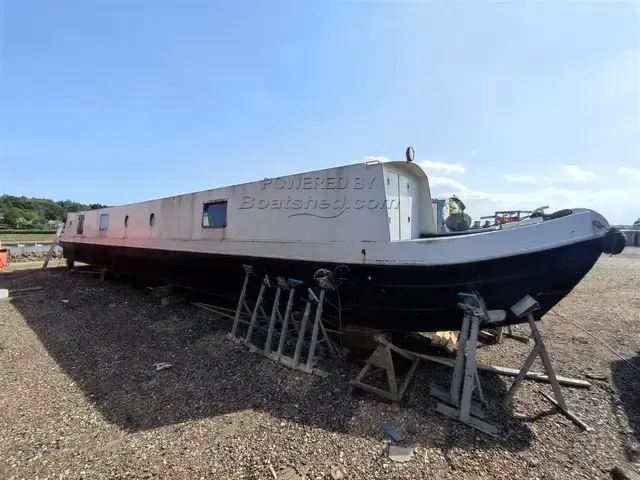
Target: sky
508,105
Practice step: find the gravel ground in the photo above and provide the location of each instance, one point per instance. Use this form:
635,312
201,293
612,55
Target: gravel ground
79,397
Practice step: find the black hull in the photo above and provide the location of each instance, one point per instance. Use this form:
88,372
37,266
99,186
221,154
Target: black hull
395,298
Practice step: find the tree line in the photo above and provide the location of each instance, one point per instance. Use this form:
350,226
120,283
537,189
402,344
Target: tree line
37,213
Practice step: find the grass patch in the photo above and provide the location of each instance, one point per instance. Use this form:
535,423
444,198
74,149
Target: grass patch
26,237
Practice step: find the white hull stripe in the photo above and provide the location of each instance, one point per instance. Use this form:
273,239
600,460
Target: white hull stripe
581,226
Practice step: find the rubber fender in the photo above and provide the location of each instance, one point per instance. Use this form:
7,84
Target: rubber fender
559,214
613,241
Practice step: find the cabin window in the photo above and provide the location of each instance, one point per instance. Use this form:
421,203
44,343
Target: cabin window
214,214
80,228
152,219
126,221
104,221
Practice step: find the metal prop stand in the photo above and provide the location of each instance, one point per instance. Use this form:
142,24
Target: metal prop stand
496,335
242,310
500,333
525,308
309,335
516,336
382,361
460,404
462,407
54,244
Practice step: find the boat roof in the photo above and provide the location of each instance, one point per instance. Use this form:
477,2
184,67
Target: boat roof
409,167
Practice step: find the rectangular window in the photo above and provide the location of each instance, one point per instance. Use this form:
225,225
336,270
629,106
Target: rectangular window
80,228
104,221
214,214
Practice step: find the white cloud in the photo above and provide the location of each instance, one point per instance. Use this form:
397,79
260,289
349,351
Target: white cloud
604,201
572,173
517,178
578,174
430,167
630,172
373,158
445,184
441,168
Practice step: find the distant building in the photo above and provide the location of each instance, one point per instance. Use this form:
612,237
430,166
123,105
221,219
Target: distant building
633,237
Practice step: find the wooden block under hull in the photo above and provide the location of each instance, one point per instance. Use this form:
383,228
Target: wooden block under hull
445,340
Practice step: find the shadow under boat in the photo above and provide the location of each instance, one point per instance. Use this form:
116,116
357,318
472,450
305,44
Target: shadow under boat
108,336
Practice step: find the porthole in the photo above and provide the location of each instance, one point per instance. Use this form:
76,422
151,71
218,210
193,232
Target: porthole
126,221
152,219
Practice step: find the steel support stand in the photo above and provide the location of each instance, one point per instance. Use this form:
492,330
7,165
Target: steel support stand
281,327
272,322
303,328
54,244
316,327
465,373
382,361
241,302
254,315
515,336
291,284
525,308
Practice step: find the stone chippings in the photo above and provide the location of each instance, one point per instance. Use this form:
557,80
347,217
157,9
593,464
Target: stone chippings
80,397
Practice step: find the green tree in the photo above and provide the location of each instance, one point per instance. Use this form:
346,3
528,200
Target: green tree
12,216
24,212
